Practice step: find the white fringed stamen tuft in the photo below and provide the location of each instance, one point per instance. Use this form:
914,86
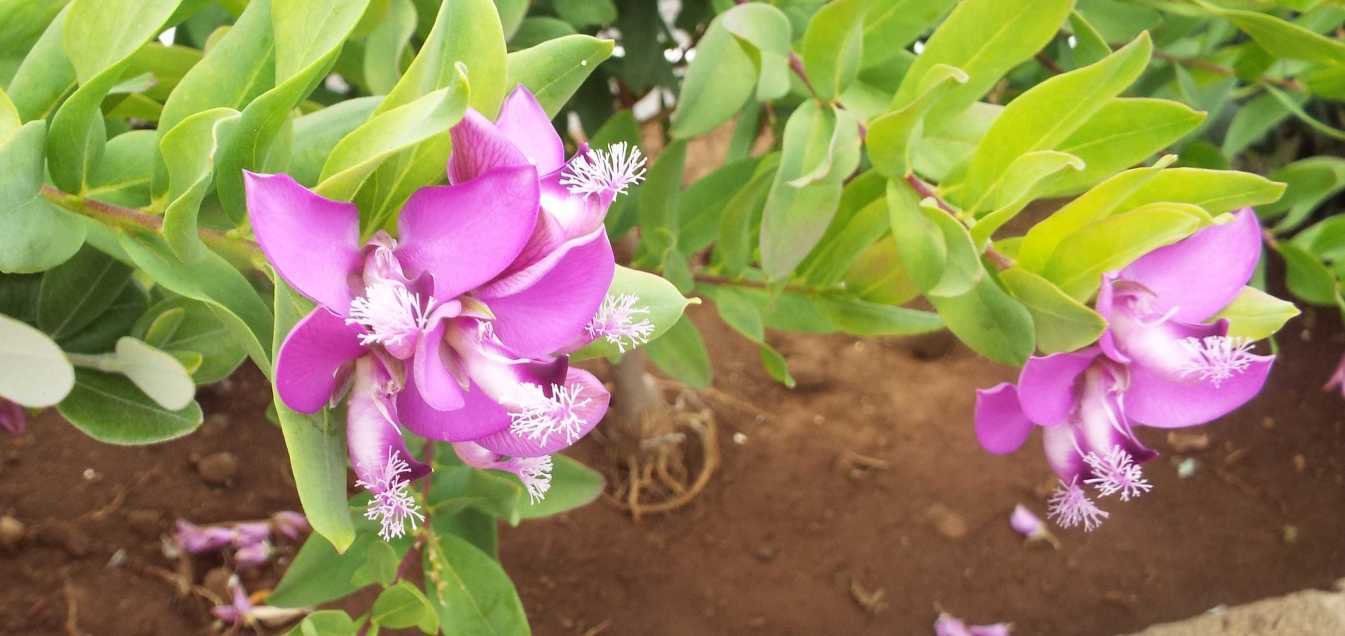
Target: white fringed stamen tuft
605,171
390,313
392,505
1070,506
535,473
537,417
1116,473
620,322
1216,358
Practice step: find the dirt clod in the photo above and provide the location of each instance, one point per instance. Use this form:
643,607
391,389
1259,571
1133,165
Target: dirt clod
947,521
146,523
218,469
66,536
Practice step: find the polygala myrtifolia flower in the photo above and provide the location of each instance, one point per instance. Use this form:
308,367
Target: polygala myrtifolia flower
458,328
1159,364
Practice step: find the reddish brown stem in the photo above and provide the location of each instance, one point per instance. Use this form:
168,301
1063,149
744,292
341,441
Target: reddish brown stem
998,258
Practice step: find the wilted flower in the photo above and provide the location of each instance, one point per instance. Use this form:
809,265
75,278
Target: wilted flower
1030,526
1337,380
239,610
947,625
254,555
13,418
194,539
289,524
1156,365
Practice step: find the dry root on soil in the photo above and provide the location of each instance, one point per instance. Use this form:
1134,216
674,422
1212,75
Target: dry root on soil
657,475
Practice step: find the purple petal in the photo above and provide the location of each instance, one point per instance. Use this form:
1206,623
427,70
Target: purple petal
254,555
308,367
577,214
290,524
371,435
947,625
544,308
479,415
1102,423
479,147
590,412
525,123
194,539
1155,400
1048,388
246,534
1062,454
1201,274
13,418
1001,426
313,242
465,235
1024,522
438,386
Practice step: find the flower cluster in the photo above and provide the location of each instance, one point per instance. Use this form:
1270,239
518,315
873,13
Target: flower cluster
1162,362
459,328
250,541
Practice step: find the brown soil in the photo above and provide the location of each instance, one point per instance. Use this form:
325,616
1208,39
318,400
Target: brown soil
790,538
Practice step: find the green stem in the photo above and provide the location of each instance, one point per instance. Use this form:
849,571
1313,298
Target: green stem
242,253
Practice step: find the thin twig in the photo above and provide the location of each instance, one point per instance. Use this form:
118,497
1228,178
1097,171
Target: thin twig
1049,64
1225,71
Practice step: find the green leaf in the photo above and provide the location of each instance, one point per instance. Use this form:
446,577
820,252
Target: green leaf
1310,182
470,590
316,443
402,606
98,37
661,300
1098,203
1061,322
719,80
865,319
764,31
386,45
703,205
512,13
1124,132
681,353
877,275
890,25
1253,121
37,235
476,527
160,376
1045,116
555,69
110,409
821,149
1217,191
833,46
989,321
1291,104
658,202
467,32
1022,182
573,485
1308,278
1090,45
317,133
962,269
379,568
1254,314
1282,38
1081,259
861,219
893,137
123,176
45,76
319,574
102,334
214,282
984,38
363,150
189,150
738,312
735,246
78,291
324,623
585,13
919,240
183,324
538,29
34,372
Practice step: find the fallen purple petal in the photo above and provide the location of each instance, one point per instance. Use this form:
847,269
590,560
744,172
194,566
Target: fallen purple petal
13,419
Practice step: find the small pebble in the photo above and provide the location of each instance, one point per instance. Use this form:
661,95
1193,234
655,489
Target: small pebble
1300,463
765,553
218,469
1188,442
1187,468
11,531
948,522
1290,534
